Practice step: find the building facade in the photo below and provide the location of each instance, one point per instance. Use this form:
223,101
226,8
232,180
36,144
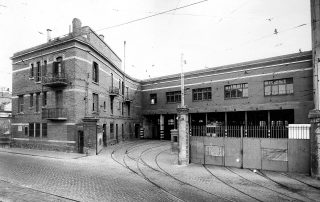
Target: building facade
70,80
270,92
70,94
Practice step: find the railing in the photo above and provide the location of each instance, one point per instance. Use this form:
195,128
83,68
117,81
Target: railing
296,132
59,79
54,113
113,91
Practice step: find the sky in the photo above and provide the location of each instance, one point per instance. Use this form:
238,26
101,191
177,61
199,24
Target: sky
210,33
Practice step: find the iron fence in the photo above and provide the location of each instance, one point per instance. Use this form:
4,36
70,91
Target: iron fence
292,132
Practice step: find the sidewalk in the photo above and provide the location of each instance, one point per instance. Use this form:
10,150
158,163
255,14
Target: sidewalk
13,192
42,153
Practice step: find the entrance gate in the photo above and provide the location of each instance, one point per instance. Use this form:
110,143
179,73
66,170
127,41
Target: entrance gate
281,148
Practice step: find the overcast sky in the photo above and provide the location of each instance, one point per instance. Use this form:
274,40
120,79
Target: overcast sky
211,33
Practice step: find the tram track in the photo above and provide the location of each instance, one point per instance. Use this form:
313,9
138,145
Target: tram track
124,164
282,185
233,187
229,169
302,182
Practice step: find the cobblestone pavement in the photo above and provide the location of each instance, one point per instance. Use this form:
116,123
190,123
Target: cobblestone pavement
141,171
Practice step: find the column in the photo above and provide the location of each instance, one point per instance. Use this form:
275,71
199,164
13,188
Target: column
314,116
183,126
161,126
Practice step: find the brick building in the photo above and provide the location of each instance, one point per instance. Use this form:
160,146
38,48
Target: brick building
269,92
63,86
70,94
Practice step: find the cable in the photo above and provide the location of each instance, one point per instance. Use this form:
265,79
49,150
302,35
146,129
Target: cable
160,13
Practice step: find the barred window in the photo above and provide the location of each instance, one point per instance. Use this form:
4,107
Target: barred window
201,94
278,87
236,91
173,97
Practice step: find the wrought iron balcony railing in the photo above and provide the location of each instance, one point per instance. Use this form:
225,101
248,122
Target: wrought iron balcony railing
113,91
55,114
55,80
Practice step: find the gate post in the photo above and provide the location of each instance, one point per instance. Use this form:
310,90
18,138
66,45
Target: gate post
183,125
314,116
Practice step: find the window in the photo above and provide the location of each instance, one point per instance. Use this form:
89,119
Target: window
122,111
44,130
44,99
111,105
95,72
38,72
37,129
44,68
122,88
20,103
128,109
104,105
153,99
119,85
95,102
37,101
111,75
173,97
201,94
26,131
31,71
236,91
31,100
31,129
278,87
58,67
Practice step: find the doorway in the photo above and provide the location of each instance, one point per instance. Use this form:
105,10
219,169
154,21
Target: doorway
81,141
104,134
136,130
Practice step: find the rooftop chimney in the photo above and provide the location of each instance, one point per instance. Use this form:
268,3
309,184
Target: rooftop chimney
76,25
49,35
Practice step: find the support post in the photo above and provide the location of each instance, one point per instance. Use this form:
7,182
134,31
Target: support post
183,126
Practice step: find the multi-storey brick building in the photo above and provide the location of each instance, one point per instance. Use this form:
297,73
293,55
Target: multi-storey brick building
70,94
67,81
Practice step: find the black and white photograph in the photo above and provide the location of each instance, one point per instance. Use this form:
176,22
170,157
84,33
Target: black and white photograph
159,100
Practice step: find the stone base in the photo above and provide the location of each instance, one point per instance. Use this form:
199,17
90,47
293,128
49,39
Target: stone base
45,146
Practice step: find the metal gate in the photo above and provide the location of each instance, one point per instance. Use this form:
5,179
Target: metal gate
278,148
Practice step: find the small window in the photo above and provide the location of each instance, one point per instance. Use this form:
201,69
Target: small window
31,71
37,101
20,103
44,99
95,72
38,72
104,105
95,102
153,99
44,68
31,99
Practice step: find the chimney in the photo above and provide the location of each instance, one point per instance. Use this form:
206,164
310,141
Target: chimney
101,37
76,26
49,35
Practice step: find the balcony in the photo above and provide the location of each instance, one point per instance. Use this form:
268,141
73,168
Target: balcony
127,99
55,80
113,91
55,114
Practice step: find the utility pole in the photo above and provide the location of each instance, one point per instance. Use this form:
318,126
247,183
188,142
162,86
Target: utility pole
182,82
183,125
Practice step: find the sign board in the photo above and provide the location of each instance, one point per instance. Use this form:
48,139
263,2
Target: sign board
214,150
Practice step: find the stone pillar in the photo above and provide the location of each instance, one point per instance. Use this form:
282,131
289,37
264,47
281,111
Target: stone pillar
314,116
161,126
183,127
